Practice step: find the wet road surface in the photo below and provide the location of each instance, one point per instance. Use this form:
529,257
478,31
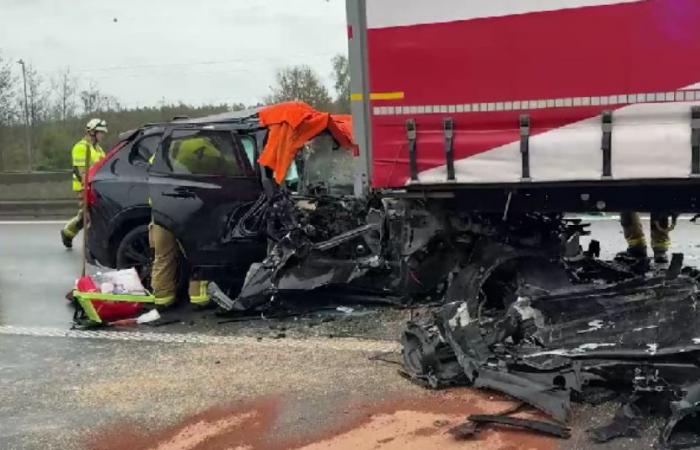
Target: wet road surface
36,272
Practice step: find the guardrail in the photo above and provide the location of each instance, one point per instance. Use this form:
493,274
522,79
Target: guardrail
36,194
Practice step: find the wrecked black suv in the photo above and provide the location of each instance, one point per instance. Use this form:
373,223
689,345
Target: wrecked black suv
217,215
202,209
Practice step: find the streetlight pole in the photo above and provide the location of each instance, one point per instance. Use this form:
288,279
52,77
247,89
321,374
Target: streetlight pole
27,135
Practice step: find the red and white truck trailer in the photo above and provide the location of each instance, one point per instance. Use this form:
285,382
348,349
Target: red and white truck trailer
480,124
567,105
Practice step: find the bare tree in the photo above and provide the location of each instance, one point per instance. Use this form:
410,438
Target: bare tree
95,101
90,99
37,96
66,87
300,83
7,93
341,83
7,106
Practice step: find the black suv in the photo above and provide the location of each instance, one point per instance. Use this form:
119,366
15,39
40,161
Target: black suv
205,209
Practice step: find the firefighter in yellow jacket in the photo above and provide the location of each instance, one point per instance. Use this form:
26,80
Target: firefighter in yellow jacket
195,155
88,145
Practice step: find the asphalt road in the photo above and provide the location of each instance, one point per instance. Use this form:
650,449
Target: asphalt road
199,383
36,272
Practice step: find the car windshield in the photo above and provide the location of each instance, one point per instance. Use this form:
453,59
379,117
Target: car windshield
327,167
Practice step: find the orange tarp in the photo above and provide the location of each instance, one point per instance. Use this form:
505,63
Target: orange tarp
290,126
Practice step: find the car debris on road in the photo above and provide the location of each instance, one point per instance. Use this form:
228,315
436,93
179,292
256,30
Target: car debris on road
523,310
635,336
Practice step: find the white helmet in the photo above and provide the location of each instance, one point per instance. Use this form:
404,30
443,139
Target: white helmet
96,125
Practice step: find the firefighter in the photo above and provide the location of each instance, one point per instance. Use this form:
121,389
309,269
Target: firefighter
196,155
661,226
94,132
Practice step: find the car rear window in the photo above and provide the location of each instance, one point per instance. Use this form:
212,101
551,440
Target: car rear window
143,149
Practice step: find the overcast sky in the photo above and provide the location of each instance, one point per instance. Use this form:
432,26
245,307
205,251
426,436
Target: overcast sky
206,51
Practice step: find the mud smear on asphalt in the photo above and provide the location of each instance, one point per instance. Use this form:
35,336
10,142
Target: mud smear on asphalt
402,424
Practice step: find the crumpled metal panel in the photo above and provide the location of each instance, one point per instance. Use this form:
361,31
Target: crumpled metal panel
548,344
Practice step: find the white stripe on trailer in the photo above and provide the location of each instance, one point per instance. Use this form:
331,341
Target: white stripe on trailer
691,87
396,13
662,150
680,96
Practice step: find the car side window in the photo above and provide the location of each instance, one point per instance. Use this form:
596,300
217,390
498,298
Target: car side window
143,150
204,152
249,149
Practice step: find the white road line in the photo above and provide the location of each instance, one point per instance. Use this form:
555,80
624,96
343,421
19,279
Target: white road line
33,222
340,344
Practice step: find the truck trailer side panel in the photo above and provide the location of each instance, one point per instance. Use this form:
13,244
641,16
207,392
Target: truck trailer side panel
560,65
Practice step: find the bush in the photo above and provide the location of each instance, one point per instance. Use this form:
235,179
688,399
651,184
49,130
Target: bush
52,141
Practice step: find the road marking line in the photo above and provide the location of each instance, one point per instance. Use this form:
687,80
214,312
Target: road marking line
341,344
33,222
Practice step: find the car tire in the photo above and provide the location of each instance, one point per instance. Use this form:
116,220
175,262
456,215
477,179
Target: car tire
134,251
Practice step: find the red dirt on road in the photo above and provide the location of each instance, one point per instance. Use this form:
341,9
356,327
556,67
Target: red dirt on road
417,423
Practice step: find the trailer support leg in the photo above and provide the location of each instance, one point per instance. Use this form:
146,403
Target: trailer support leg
448,129
525,145
695,139
411,135
606,145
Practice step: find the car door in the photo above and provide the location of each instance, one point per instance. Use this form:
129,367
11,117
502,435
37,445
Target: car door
200,181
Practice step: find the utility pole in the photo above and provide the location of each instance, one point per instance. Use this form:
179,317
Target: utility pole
27,135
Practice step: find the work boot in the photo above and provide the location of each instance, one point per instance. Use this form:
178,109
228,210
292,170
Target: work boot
632,253
67,241
660,257
199,296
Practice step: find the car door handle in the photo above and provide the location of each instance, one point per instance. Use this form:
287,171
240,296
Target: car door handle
180,192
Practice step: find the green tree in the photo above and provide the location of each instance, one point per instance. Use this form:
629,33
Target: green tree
341,83
300,83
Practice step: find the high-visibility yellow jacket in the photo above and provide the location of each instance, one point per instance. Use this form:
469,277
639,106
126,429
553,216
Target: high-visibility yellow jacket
198,156
79,153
